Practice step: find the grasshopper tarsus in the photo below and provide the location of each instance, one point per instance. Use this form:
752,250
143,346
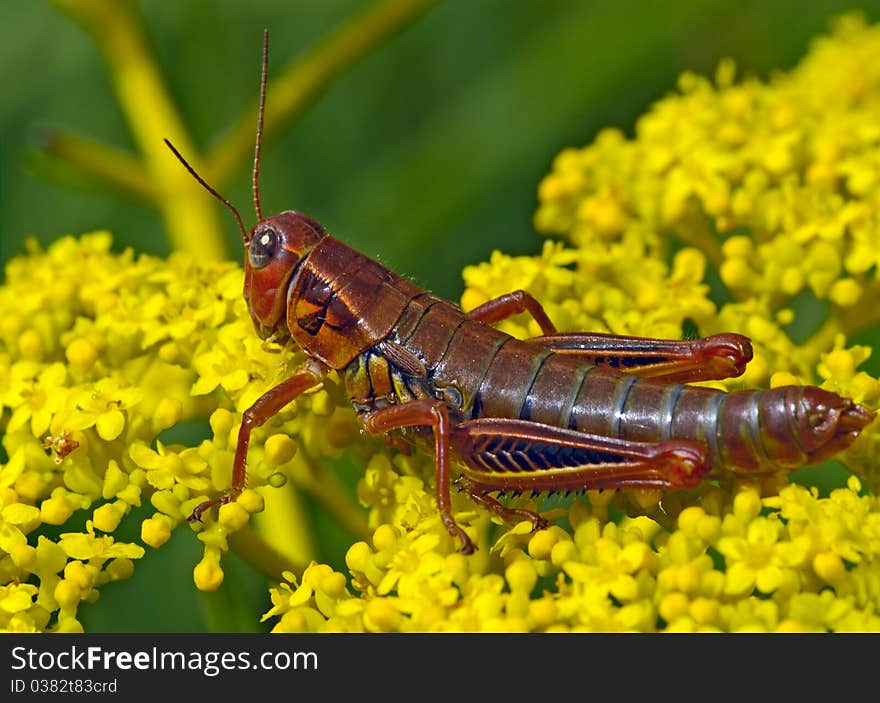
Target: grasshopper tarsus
203,507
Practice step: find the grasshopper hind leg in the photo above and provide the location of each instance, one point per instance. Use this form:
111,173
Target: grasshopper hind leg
481,497
511,454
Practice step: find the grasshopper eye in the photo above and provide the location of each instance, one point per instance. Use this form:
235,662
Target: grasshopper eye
262,247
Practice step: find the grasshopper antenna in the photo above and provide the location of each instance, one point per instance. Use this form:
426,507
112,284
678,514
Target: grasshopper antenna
255,178
213,192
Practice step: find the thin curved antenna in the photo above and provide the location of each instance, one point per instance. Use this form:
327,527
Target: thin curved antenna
213,192
255,177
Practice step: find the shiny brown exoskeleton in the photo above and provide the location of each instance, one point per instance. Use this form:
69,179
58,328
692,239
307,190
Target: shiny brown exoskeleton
558,412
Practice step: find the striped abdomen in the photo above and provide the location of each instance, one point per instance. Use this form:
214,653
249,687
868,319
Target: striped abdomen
750,431
745,431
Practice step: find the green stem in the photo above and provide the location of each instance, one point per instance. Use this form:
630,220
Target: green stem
303,81
100,164
848,320
116,27
284,525
694,230
250,545
325,490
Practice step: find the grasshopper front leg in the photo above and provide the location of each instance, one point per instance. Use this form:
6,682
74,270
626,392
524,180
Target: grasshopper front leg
266,406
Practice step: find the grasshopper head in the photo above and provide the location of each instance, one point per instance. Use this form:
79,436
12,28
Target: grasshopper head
274,251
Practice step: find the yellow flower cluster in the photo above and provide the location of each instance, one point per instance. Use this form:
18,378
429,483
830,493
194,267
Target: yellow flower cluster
104,357
776,183
99,354
793,562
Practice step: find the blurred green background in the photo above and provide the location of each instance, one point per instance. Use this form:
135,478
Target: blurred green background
426,154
